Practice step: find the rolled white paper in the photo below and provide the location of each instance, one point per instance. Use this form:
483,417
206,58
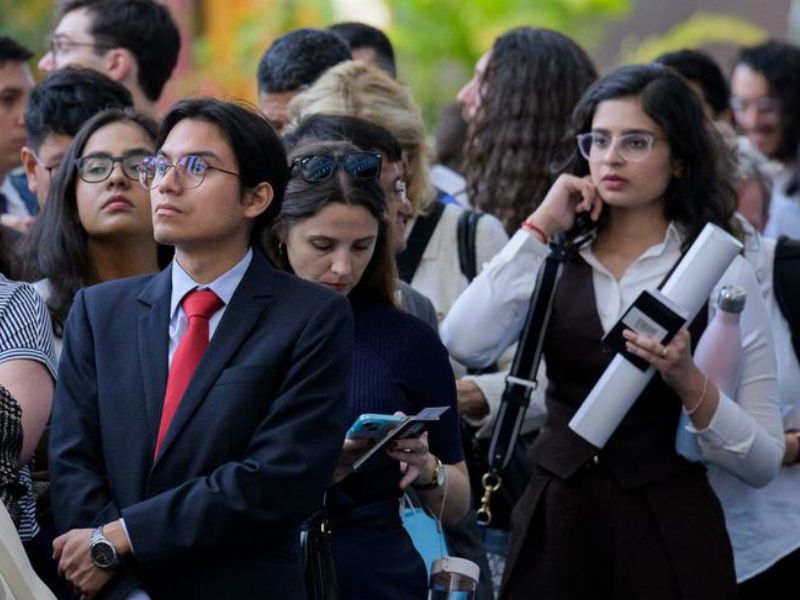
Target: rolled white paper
689,286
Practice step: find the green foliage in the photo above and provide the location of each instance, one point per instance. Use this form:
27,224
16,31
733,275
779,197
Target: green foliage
27,21
439,41
701,29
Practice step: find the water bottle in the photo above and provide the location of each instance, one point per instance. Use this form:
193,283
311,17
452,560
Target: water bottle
453,579
719,355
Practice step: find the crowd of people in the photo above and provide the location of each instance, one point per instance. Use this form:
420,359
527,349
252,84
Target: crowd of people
196,307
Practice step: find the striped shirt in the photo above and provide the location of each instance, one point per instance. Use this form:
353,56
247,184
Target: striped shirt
25,334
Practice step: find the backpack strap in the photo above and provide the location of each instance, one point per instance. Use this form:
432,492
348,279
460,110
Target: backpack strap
467,247
786,285
408,260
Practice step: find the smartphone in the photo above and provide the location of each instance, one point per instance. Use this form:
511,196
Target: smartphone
410,427
373,427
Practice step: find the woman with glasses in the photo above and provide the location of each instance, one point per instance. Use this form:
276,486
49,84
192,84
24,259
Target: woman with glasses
332,230
633,519
96,225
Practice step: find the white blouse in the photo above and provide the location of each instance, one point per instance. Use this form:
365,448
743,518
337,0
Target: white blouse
745,435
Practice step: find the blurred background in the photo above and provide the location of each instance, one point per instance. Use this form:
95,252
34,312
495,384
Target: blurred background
437,41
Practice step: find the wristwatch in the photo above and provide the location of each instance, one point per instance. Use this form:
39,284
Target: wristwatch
437,480
104,555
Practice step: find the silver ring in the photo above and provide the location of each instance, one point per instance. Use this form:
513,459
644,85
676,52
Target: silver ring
663,352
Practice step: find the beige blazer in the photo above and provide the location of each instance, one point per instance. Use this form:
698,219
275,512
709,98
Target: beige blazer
18,581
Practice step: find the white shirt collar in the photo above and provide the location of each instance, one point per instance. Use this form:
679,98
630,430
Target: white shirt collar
223,286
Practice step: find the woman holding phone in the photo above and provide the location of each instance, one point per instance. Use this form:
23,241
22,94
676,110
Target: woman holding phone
332,230
633,519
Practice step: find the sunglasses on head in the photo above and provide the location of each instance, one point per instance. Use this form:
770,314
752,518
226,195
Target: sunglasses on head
314,168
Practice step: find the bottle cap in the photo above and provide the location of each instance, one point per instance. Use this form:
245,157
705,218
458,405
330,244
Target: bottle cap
460,566
732,299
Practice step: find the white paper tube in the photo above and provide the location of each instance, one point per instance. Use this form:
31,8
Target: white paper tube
689,286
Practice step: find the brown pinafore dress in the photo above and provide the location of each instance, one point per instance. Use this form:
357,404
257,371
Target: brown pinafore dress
631,521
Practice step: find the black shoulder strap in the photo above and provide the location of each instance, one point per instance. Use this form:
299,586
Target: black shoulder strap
786,285
467,248
408,260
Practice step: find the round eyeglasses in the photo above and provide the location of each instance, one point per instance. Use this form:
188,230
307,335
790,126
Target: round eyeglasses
633,147
98,167
314,168
190,171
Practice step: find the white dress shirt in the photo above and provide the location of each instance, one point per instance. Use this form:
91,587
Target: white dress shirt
745,434
784,210
223,286
764,524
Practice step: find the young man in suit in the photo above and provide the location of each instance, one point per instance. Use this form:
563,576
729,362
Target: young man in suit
181,471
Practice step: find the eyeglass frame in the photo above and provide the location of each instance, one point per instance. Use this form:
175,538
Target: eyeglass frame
45,167
775,108
338,160
651,137
114,160
171,165
69,42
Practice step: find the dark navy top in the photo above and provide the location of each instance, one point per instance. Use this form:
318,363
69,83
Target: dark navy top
399,364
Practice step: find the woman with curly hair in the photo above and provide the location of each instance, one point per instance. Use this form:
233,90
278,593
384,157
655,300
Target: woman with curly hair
518,106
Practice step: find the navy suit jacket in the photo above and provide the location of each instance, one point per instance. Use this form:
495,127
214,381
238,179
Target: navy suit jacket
247,456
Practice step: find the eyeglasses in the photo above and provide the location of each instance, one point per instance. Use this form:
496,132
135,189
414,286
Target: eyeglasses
398,187
61,44
190,171
766,106
314,168
633,147
98,167
48,168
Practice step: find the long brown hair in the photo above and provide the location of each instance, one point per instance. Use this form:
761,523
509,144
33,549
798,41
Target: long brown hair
304,199
532,82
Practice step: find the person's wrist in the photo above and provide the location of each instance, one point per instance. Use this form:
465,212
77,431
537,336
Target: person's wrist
792,454
115,533
541,225
430,479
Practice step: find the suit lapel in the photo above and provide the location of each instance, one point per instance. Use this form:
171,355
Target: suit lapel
247,304
154,348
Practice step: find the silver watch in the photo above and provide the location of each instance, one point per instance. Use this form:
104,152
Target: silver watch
104,554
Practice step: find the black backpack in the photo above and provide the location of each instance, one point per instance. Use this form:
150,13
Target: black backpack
786,285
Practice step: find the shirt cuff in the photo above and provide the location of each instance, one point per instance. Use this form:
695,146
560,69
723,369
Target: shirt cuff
127,535
726,429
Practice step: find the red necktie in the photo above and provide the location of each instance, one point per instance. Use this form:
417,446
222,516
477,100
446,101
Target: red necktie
199,306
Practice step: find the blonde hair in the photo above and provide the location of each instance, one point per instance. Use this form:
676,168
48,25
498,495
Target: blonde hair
355,89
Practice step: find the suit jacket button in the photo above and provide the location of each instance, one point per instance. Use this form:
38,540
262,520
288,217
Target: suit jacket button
596,459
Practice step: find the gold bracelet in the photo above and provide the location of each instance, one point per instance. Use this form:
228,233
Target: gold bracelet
694,409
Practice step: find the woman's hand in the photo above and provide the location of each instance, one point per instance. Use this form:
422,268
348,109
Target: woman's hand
676,365
568,196
351,451
416,463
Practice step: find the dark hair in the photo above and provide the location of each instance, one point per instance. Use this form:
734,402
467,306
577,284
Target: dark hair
701,69
298,58
64,100
451,135
144,27
329,128
532,82
57,246
779,63
258,150
703,193
12,51
361,35
304,200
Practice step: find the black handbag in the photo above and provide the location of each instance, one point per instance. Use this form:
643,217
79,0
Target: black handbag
319,568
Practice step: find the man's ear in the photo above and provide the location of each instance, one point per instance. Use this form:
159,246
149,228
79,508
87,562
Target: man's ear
29,165
119,63
258,199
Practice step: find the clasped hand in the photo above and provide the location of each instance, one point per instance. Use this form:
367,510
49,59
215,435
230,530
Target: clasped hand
73,554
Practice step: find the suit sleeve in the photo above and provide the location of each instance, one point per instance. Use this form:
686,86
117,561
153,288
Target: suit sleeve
286,467
78,484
